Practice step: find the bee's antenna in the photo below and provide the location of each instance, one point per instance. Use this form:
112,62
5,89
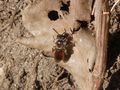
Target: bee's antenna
56,31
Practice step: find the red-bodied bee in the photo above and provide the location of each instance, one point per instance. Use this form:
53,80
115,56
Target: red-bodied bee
63,46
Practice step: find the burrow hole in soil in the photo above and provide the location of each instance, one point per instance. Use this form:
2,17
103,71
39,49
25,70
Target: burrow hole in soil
83,24
53,15
65,7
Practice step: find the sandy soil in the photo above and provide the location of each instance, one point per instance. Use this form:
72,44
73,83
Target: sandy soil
23,68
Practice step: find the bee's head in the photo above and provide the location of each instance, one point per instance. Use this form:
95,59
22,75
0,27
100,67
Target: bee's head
61,39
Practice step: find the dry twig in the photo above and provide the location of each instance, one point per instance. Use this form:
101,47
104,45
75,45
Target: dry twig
114,5
101,26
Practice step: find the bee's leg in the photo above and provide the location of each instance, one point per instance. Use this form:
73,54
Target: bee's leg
48,54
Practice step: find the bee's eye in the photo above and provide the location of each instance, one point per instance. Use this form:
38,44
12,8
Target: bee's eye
58,43
58,36
65,34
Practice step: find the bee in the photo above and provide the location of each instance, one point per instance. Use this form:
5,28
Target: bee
63,48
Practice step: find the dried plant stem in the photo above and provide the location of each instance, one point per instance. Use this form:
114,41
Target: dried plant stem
114,5
101,26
